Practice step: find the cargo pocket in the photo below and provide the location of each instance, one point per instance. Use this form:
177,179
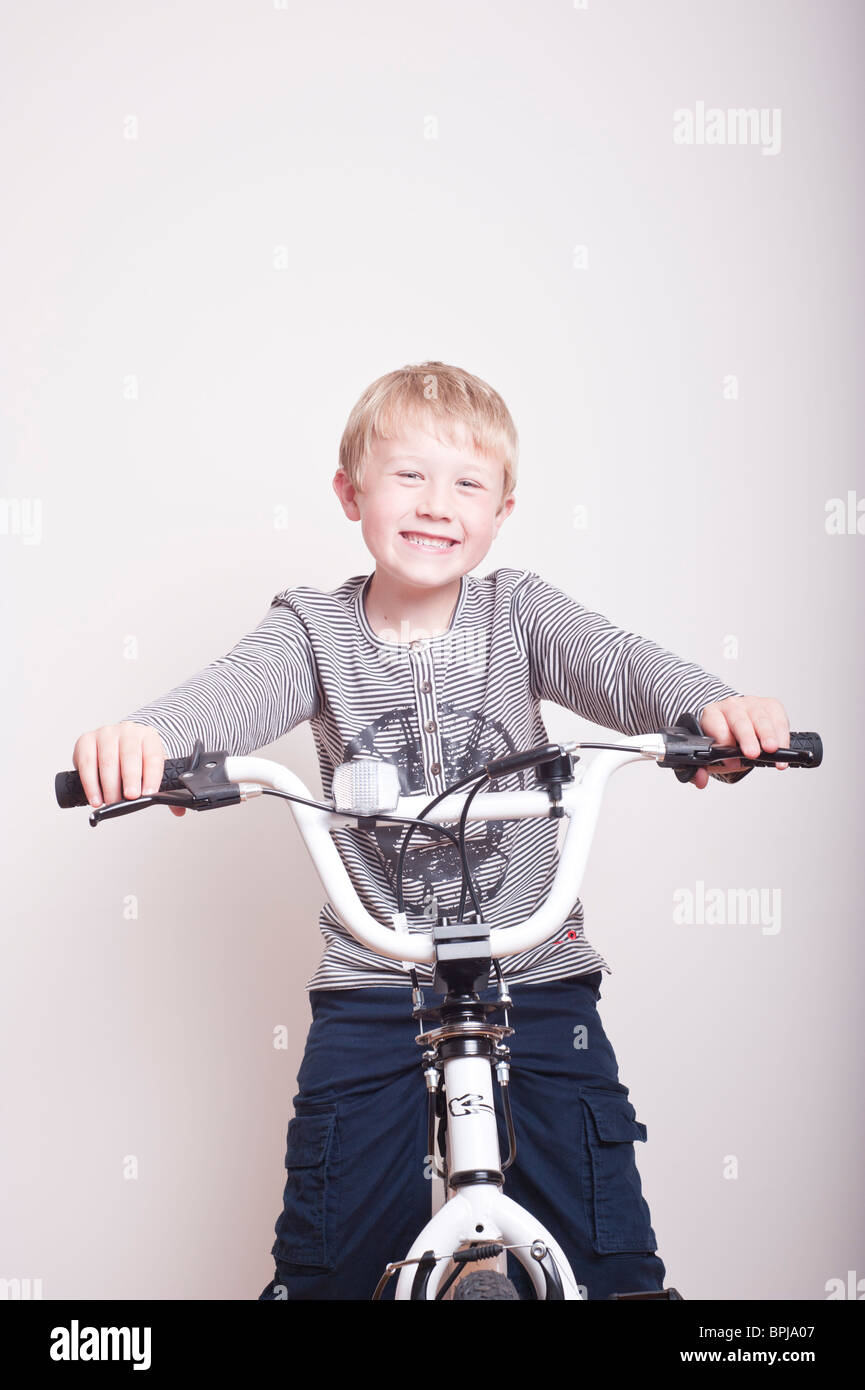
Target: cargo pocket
618,1213
304,1231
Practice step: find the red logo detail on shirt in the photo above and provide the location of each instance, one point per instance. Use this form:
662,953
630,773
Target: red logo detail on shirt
569,936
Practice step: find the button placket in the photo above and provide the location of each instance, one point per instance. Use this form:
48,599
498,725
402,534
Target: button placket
423,676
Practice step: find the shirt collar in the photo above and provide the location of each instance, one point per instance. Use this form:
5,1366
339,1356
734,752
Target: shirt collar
373,636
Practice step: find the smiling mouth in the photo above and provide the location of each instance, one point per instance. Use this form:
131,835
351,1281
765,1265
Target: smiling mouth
422,542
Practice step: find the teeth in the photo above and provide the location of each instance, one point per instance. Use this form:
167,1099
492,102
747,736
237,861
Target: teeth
426,543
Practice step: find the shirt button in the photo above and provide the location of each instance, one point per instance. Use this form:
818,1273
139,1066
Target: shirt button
414,645
426,687
435,769
430,726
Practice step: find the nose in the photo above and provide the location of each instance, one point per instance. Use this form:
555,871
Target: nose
436,501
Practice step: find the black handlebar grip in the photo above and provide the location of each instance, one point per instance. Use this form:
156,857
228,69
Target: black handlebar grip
810,743
797,743
69,791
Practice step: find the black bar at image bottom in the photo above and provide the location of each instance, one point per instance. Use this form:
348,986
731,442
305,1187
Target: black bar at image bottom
163,1337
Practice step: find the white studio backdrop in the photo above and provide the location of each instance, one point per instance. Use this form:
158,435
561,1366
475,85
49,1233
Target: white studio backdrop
221,222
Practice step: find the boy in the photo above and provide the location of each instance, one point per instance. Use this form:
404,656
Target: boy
423,666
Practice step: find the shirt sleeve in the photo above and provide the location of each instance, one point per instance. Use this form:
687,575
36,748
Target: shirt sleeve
582,661
262,688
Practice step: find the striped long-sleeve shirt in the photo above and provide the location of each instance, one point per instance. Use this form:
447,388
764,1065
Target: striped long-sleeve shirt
437,708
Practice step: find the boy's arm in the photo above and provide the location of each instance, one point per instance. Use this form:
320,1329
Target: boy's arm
616,678
261,689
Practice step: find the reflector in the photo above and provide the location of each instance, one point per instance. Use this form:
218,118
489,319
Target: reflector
366,786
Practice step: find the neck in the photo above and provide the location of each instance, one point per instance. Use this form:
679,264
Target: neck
402,614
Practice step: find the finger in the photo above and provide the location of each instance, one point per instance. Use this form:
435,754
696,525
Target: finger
153,762
84,760
700,778
771,726
177,810
713,723
109,762
130,745
743,731
766,726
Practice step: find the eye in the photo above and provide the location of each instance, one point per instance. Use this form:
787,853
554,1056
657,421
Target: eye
409,473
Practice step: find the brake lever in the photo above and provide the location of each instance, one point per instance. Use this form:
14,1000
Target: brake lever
205,786
125,808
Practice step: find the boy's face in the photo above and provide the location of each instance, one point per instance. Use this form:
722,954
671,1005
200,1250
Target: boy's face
415,487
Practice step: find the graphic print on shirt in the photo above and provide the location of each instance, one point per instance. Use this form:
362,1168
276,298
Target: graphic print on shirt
515,641
432,862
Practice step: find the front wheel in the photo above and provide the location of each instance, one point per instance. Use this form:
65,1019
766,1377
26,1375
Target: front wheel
485,1284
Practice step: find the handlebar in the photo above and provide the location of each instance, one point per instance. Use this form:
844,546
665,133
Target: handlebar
207,780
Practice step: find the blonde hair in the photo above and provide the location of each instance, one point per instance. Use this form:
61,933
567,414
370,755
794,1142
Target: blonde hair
443,400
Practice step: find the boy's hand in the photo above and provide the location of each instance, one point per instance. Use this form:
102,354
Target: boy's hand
127,752
758,723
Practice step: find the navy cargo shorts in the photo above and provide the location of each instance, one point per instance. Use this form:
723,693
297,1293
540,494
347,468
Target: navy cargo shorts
358,1192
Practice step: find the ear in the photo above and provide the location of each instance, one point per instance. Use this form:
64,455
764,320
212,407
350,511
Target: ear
346,493
504,512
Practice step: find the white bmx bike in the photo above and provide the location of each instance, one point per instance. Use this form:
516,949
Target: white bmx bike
473,1221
